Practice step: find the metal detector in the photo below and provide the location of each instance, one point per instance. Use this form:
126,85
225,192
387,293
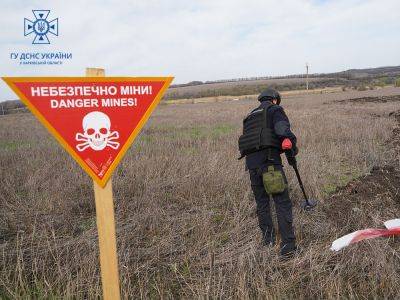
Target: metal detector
307,204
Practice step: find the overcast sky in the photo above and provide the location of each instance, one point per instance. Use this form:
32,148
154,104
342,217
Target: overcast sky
205,40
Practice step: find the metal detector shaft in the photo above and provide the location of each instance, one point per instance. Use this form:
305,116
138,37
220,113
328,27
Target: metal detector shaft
308,203
300,182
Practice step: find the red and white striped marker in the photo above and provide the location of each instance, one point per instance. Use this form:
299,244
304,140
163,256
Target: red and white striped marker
392,228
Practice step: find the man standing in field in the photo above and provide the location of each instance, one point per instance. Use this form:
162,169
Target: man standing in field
266,131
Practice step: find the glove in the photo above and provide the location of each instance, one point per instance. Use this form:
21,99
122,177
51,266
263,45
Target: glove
288,146
290,150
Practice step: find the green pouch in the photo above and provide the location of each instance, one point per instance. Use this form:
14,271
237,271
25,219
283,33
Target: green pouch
274,183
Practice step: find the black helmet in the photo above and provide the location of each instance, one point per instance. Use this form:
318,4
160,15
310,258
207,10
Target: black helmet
269,94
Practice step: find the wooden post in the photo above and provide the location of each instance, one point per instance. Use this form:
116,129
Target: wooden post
106,228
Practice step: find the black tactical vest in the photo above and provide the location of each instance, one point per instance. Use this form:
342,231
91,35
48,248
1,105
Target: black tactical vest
256,133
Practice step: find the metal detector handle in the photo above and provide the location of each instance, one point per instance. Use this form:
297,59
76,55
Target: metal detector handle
291,158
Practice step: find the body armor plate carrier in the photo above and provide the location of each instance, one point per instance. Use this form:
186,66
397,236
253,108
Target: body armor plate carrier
256,135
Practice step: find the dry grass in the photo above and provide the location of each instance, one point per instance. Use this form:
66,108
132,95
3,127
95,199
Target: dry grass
185,214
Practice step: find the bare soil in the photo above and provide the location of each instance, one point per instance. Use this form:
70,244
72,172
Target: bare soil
367,197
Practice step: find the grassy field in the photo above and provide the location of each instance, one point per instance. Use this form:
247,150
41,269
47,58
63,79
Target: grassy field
185,213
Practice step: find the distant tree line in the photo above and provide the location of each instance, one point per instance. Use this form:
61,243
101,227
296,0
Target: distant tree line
194,83
250,89
348,74
351,81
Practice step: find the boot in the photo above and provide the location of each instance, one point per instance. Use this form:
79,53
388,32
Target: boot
289,251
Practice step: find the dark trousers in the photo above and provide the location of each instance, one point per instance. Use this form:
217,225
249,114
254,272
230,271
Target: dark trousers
283,207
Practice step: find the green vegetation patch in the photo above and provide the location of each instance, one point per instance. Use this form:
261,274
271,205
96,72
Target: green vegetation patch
192,133
345,175
12,145
87,224
222,129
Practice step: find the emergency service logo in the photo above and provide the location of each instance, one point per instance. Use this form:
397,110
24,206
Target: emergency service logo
40,28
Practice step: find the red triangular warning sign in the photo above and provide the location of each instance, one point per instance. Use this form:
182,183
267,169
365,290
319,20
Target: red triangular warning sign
96,119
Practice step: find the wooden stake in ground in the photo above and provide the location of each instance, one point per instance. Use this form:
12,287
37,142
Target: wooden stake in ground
106,228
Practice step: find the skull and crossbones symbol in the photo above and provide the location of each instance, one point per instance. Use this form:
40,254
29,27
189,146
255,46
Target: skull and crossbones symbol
96,133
